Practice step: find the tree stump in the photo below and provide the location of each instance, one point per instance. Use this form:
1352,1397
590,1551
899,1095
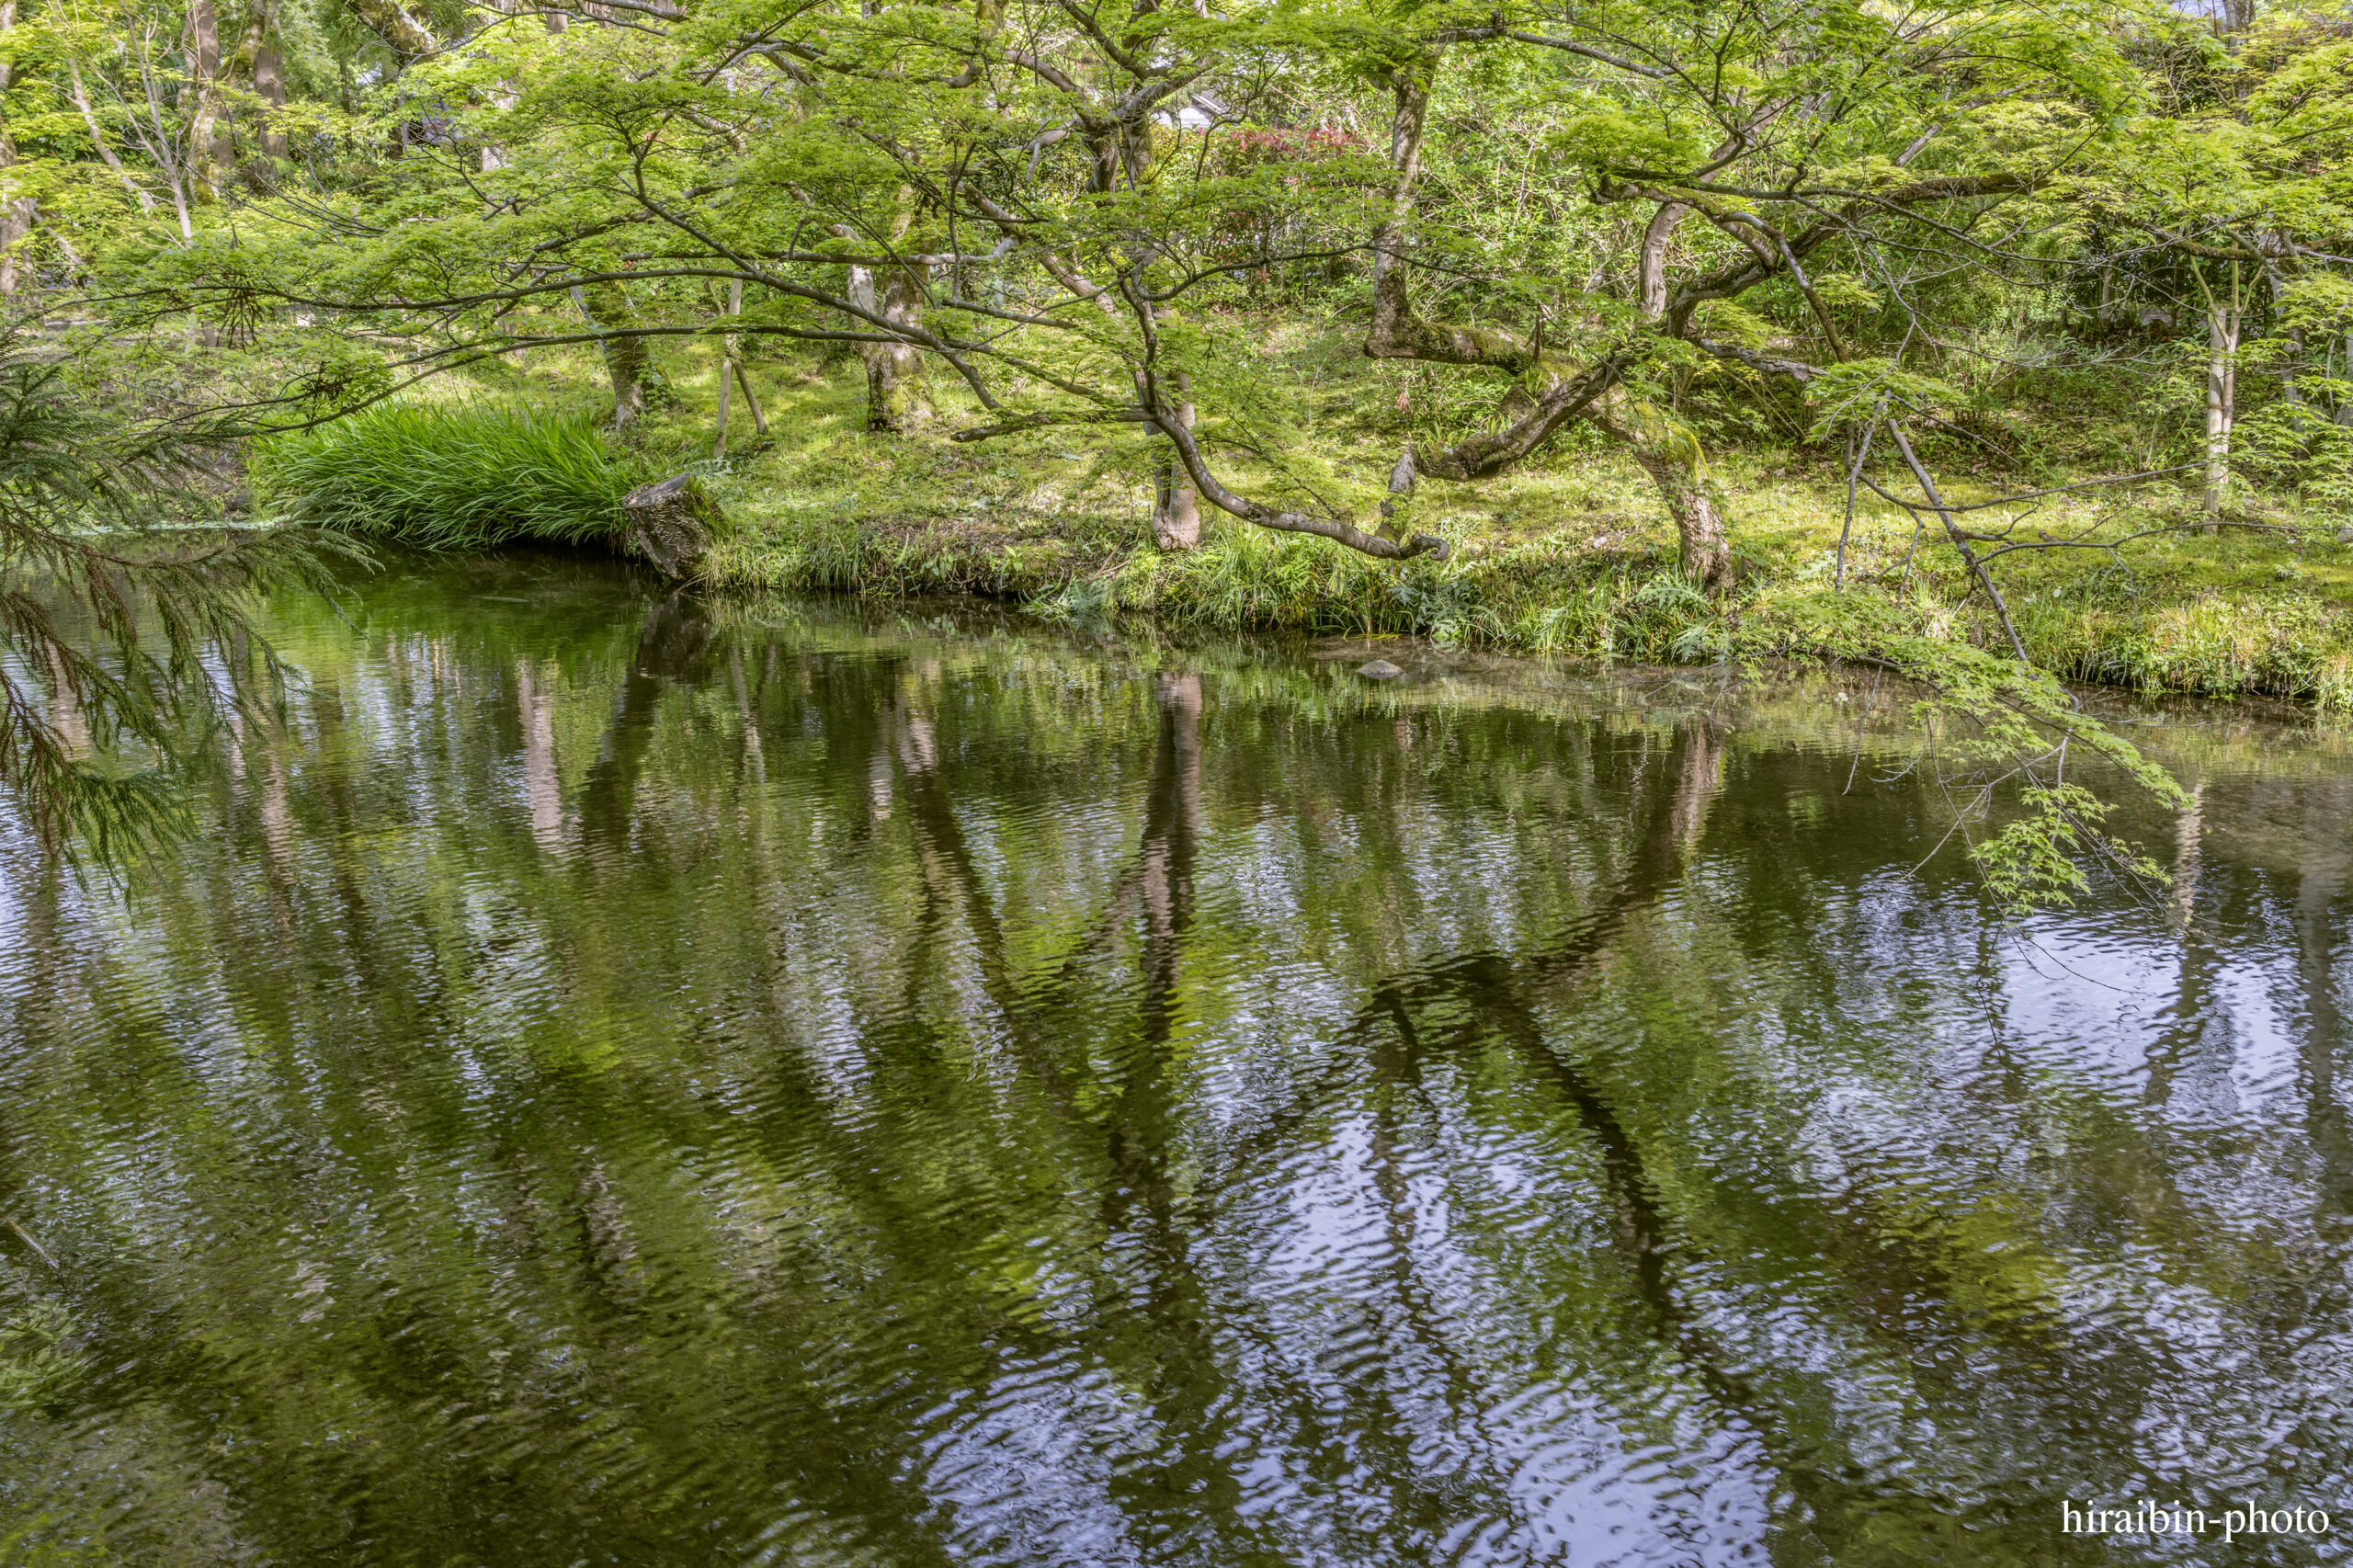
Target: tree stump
670,523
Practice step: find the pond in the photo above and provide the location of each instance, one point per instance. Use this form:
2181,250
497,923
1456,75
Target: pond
620,1079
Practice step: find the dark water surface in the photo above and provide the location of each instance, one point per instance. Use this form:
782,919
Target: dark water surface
618,1081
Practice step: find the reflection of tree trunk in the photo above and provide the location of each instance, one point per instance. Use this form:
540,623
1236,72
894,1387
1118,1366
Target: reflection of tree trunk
2193,981
755,762
1496,990
541,784
671,645
878,780
944,858
1702,775
2327,1121
276,815
43,957
2197,1036
1171,823
1397,1072
941,854
65,715
2188,829
1188,1387
332,786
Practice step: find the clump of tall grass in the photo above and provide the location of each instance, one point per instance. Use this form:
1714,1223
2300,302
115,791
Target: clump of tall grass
467,476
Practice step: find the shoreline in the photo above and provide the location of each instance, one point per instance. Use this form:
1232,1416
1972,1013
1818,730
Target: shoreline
1555,595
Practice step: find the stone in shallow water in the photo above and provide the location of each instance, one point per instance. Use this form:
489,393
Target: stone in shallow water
670,523
1380,669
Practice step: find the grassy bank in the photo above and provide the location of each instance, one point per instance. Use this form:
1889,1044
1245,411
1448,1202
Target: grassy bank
1571,555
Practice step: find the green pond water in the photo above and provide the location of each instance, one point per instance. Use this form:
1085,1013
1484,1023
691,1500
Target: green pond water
617,1079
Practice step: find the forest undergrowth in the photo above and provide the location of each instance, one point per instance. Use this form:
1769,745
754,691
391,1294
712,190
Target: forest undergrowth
1569,556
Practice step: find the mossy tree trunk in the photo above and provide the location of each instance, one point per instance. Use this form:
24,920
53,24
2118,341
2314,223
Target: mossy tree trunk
1176,504
1699,528
607,308
898,395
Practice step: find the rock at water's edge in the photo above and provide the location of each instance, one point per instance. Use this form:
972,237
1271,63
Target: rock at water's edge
670,523
1380,669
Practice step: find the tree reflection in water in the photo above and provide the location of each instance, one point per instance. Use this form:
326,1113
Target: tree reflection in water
687,1082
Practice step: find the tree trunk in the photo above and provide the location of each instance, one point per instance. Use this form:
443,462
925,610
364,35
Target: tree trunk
1392,310
1176,507
2221,396
1653,286
388,21
107,154
237,70
15,212
1396,333
726,368
203,144
1698,527
2345,405
751,399
1669,453
269,79
606,308
898,398
1176,504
